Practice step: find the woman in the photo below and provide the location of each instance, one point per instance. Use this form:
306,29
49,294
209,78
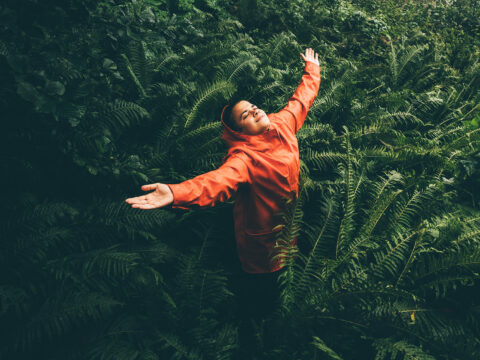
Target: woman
261,168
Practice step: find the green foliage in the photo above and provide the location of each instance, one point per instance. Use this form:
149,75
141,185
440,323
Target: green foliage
382,245
391,350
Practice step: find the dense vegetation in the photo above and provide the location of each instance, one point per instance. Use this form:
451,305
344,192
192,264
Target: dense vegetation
101,97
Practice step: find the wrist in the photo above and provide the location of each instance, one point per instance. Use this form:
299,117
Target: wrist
312,67
311,62
171,192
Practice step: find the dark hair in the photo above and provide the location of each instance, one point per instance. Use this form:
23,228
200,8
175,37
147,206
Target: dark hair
228,116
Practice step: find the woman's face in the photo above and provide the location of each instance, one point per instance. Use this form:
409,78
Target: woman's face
249,118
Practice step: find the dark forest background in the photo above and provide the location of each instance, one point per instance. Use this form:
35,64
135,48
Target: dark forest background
100,97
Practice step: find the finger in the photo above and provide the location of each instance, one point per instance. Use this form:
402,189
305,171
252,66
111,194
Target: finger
137,203
303,57
149,187
144,206
139,206
135,199
131,200
316,56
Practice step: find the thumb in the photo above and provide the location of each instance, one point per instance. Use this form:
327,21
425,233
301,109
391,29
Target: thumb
149,187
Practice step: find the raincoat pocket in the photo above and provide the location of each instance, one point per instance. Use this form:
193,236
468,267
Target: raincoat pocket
261,247
261,242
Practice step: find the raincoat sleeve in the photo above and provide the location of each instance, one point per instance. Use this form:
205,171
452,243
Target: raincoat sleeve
212,187
295,112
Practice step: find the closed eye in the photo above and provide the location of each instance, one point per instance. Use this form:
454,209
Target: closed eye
243,117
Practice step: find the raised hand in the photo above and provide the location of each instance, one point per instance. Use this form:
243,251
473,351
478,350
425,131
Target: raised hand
310,55
161,196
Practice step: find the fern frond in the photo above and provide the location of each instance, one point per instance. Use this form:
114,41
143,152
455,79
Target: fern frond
316,133
215,49
390,349
270,88
328,97
320,345
401,117
285,246
412,53
3,49
352,186
396,253
177,348
431,272
133,75
309,264
162,64
59,315
409,209
124,217
108,262
321,159
206,94
439,327
275,44
380,201
232,69
200,133
469,139
122,114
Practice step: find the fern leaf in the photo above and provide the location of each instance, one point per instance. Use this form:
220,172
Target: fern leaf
388,348
221,87
232,69
320,345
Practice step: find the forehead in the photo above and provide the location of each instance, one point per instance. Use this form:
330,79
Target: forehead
240,107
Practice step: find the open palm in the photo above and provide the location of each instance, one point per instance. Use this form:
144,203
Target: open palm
161,196
310,55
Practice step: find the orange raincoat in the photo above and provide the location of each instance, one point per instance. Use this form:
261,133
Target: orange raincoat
261,169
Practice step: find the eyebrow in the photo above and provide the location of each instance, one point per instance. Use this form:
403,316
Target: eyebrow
241,115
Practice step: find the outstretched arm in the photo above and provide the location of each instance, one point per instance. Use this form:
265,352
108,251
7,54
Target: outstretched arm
295,112
201,191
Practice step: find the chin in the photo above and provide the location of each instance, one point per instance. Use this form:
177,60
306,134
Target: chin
266,125
265,120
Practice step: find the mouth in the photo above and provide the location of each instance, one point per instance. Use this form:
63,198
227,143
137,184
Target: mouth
260,117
